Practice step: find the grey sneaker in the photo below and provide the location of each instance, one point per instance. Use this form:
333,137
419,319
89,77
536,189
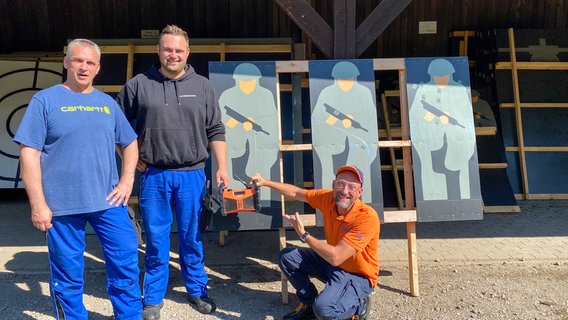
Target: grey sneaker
366,308
204,304
152,312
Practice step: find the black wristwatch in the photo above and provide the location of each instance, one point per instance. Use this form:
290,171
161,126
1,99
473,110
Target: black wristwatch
304,236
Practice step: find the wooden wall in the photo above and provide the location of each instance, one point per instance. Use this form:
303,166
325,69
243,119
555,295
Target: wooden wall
44,25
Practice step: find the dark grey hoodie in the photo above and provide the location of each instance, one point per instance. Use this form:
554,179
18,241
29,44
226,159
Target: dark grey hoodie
175,119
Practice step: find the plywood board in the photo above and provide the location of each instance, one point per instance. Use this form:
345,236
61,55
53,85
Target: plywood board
247,97
344,123
19,81
443,140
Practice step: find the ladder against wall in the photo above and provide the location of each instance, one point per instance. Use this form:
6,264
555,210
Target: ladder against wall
496,189
531,79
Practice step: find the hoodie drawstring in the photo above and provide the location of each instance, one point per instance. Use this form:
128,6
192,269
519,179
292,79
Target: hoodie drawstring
176,90
177,93
164,87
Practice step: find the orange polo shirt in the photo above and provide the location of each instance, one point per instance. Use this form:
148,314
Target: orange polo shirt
360,228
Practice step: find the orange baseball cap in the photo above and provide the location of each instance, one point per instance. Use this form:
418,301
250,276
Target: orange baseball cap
353,169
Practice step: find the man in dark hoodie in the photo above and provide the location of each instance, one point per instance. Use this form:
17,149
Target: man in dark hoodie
178,120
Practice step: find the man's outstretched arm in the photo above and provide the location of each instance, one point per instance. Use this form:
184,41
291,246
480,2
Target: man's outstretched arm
285,189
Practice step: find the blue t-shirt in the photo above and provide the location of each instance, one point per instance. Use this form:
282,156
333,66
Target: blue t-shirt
76,134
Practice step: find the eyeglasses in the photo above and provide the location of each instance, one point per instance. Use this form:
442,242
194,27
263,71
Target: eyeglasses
351,186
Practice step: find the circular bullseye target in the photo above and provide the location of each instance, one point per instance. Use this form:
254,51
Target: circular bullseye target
19,81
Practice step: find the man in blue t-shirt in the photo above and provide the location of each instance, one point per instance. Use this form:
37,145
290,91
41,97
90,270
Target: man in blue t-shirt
67,153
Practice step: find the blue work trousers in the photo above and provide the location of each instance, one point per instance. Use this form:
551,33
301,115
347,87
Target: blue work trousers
343,294
162,192
66,245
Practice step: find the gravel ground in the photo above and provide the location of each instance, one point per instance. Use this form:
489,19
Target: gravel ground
518,290
249,288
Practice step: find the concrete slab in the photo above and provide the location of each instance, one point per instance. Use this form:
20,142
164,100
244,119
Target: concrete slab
538,232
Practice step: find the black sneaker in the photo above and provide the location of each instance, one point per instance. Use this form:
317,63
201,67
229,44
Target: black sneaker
302,312
152,311
204,304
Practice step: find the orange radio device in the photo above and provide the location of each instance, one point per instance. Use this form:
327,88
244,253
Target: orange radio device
245,200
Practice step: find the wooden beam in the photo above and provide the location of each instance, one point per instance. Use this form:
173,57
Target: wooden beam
344,41
310,22
535,105
518,116
374,25
532,65
344,32
392,153
283,279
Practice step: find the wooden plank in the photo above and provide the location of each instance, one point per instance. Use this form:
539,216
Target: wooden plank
249,19
404,23
392,93
292,66
377,21
526,65
561,16
33,56
395,144
340,29
400,216
251,48
287,87
310,22
123,49
526,11
501,209
389,64
385,167
235,19
543,196
382,144
537,149
203,48
515,12
537,15
485,131
412,258
518,115
502,9
309,220
391,152
430,40
410,201
534,105
492,165
479,131
283,280
109,88
350,21
296,147
462,33
550,13
130,62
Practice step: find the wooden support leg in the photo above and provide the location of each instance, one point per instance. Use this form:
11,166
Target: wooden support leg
222,235
284,281
412,258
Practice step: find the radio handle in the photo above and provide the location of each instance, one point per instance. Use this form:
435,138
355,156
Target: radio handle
257,205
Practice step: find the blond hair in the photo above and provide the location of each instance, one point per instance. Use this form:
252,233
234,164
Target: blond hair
174,30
